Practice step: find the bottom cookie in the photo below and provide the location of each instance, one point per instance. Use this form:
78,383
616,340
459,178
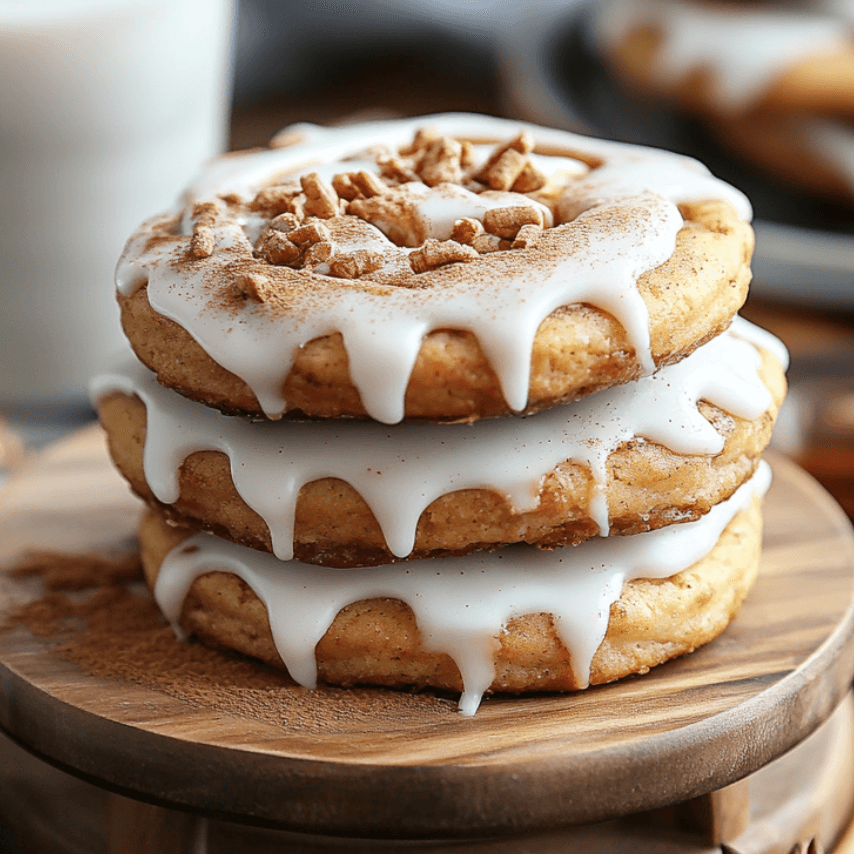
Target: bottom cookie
517,620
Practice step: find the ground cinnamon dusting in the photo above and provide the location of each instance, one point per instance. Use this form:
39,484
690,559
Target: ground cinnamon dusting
61,571
102,618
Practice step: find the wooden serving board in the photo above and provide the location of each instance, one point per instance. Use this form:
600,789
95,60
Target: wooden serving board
382,763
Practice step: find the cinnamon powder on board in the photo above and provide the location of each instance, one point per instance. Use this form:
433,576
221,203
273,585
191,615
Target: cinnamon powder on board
97,613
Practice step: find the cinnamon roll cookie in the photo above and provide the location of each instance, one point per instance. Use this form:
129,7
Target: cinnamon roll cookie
728,59
443,268
774,83
652,452
516,620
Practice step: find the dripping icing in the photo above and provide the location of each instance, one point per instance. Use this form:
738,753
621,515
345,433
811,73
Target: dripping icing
461,604
599,264
271,461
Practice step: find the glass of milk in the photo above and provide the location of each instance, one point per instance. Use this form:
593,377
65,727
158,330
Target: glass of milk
107,108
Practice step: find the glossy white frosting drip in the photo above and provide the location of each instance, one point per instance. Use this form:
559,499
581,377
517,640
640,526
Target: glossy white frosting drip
400,470
617,222
744,48
461,605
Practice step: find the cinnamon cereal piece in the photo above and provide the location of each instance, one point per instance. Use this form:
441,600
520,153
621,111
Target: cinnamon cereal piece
318,253
438,253
507,162
202,243
502,174
368,184
396,169
277,199
423,138
351,265
275,248
530,179
321,199
527,237
313,231
251,286
506,222
395,213
466,155
297,207
523,142
441,162
344,186
285,222
466,229
486,243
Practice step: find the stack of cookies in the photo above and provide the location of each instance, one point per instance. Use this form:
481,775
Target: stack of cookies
774,82
450,402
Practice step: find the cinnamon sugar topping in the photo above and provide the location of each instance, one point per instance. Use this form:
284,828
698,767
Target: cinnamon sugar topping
313,231
351,265
321,198
433,170
251,286
466,230
358,185
277,199
368,184
486,243
437,253
506,222
285,222
527,237
424,137
318,253
202,242
275,248
441,162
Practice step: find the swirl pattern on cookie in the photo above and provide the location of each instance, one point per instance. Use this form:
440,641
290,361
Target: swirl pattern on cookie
400,471
377,245
462,605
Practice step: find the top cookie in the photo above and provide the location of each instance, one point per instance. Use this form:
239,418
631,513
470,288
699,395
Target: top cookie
448,268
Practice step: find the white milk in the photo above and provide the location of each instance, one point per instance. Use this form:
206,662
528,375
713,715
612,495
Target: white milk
107,108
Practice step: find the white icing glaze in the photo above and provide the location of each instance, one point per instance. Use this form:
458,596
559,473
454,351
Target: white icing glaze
761,338
461,604
744,48
623,222
400,470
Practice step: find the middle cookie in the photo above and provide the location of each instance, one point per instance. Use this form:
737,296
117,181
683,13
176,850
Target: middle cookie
660,450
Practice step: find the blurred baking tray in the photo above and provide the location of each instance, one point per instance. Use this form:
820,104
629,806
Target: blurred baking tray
552,76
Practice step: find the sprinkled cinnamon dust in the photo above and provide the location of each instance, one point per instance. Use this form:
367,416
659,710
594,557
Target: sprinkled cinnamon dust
100,617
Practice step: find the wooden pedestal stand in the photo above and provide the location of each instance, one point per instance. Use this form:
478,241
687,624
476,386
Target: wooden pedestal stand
398,766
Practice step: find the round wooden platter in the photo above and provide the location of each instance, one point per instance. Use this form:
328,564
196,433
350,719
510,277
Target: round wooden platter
376,762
